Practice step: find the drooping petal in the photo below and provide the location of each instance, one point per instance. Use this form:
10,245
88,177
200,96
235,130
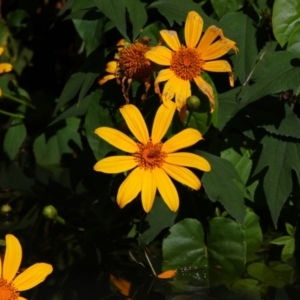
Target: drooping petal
166,188
148,191
167,274
135,122
21,298
117,138
130,187
115,164
193,29
183,139
206,89
218,49
182,175
5,67
106,78
111,67
217,66
209,36
162,121
163,75
188,160
171,39
170,88
160,55
12,257
1,50
231,79
32,276
182,93
121,284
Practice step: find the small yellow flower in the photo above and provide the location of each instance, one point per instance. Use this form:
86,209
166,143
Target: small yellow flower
188,62
152,160
10,285
130,64
4,67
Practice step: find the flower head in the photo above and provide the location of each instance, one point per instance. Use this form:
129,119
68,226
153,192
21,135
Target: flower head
188,62
10,284
130,64
152,160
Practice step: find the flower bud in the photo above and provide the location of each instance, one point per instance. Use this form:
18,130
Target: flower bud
193,103
50,212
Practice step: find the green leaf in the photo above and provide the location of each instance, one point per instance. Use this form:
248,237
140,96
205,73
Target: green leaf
250,288
284,273
288,250
152,31
223,7
290,229
282,240
220,186
159,218
263,273
285,21
138,16
14,138
280,157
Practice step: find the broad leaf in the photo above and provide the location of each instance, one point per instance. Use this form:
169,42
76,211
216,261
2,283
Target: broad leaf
223,7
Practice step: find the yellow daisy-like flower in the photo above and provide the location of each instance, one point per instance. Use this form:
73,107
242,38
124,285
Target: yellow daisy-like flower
10,285
4,67
188,62
130,64
152,160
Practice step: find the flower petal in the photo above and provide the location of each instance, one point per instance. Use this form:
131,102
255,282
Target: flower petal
160,55
12,257
163,75
209,36
171,39
5,67
135,122
115,164
130,187
106,78
1,50
32,276
166,188
117,138
167,274
182,93
217,66
218,49
162,121
183,139
182,175
21,298
148,191
193,29
188,160
207,90
111,67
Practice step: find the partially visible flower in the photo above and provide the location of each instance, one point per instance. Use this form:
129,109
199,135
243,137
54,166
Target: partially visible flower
130,64
152,160
188,62
10,284
4,67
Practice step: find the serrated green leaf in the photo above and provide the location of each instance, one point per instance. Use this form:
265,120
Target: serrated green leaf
223,7
281,157
288,250
282,240
290,229
220,186
285,21
14,138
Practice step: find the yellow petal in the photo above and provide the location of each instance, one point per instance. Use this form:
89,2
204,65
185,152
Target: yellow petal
21,298
218,49
170,87
171,39
130,187
0,92
193,29
182,93
207,90
115,164
121,284
162,121
231,79
183,139
167,274
135,122
209,36
166,188
32,276
182,175
106,78
148,191
188,160
117,139
12,257
1,50
5,67
160,55
217,66
111,67
164,75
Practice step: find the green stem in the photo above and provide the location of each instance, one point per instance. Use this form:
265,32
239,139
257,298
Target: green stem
11,114
188,118
10,97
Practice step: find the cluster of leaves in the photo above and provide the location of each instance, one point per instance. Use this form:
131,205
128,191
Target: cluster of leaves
226,237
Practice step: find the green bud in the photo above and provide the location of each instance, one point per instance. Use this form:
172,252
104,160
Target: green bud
50,212
193,103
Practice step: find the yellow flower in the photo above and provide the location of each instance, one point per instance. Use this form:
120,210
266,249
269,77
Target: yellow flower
4,67
10,285
188,62
130,64
152,160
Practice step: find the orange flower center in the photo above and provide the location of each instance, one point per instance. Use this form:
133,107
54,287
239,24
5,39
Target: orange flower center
133,63
150,155
7,290
186,63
